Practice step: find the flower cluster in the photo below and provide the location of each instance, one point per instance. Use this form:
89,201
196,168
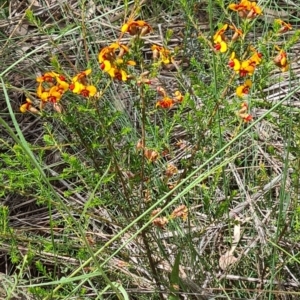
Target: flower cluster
246,67
112,61
115,61
52,86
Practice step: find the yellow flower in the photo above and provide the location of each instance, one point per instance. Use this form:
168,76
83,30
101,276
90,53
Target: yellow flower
244,89
120,74
281,61
255,10
82,75
80,85
220,33
234,63
219,39
166,102
136,27
62,85
88,91
76,87
220,45
54,95
247,68
42,93
83,90
243,5
178,96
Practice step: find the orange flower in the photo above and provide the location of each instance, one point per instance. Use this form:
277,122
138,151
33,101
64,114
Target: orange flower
136,27
171,170
48,77
161,91
242,8
28,107
180,212
166,102
160,222
112,53
255,10
256,58
242,113
246,9
244,89
155,212
151,155
162,54
281,61
284,26
247,117
237,32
